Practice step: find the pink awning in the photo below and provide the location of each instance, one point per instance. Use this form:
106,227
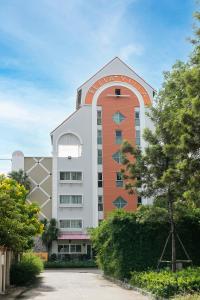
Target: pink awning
67,236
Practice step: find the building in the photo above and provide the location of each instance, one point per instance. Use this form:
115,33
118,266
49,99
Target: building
81,183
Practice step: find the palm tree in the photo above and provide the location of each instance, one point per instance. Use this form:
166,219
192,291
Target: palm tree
50,232
22,178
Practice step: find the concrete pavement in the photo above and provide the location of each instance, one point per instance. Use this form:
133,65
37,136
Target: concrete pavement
76,284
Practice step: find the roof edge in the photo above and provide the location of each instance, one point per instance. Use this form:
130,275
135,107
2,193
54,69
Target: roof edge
116,57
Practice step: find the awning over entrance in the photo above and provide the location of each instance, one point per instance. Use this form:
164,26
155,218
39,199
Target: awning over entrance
71,236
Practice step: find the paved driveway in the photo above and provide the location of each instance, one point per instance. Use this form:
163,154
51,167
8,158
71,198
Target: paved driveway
79,284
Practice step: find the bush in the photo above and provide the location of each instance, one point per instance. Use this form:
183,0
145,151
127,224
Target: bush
166,284
133,241
70,264
26,270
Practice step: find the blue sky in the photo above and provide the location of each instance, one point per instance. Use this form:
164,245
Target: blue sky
50,47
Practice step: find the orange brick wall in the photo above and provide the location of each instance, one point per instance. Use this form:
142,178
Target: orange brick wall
126,106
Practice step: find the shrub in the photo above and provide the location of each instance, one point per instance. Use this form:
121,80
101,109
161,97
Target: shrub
70,264
133,241
166,284
26,270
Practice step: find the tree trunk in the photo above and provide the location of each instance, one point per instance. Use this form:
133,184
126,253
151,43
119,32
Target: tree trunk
172,225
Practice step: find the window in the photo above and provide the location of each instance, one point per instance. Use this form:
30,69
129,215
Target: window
118,157
63,248
137,118
69,145
119,179
69,248
64,175
117,92
74,176
79,98
98,117
120,202
73,224
99,137
100,180
99,158
118,136
139,200
70,199
137,138
118,117
100,203
75,248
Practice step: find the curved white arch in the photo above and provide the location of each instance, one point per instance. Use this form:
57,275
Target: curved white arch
70,146
94,135
68,132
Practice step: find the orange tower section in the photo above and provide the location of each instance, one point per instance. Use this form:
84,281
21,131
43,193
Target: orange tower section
125,104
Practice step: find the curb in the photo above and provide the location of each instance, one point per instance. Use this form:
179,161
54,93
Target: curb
128,286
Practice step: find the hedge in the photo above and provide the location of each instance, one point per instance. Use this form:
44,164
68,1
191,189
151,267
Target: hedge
167,284
133,241
70,264
26,270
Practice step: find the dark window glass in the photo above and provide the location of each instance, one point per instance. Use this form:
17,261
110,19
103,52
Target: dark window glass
99,158
100,180
98,117
100,203
118,136
120,202
99,137
119,180
117,92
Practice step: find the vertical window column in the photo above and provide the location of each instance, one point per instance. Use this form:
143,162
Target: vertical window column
100,180
137,127
100,203
99,157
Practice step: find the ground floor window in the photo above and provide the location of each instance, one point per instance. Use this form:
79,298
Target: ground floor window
70,248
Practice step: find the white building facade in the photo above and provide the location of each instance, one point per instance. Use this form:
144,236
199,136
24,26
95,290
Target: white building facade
86,183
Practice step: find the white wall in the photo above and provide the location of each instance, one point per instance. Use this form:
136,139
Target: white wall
80,125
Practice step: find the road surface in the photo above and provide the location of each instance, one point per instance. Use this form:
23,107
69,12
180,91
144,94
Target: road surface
79,284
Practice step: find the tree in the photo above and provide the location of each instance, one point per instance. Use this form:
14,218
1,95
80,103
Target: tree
19,221
50,232
169,169
22,178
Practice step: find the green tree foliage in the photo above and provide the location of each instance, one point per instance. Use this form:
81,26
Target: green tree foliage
22,178
169,169
133,241
18,220
50,232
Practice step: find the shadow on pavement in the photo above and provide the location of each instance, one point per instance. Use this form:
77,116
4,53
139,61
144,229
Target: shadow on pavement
37,288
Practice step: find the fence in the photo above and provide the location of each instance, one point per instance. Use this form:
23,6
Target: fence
6,257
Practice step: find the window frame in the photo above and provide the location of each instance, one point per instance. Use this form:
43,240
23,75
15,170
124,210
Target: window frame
118,139
70,204
99,157
70,228
70,180
100,180
120,198
116,117
69,246
99,137
119,158
99,117
100,203
119,182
